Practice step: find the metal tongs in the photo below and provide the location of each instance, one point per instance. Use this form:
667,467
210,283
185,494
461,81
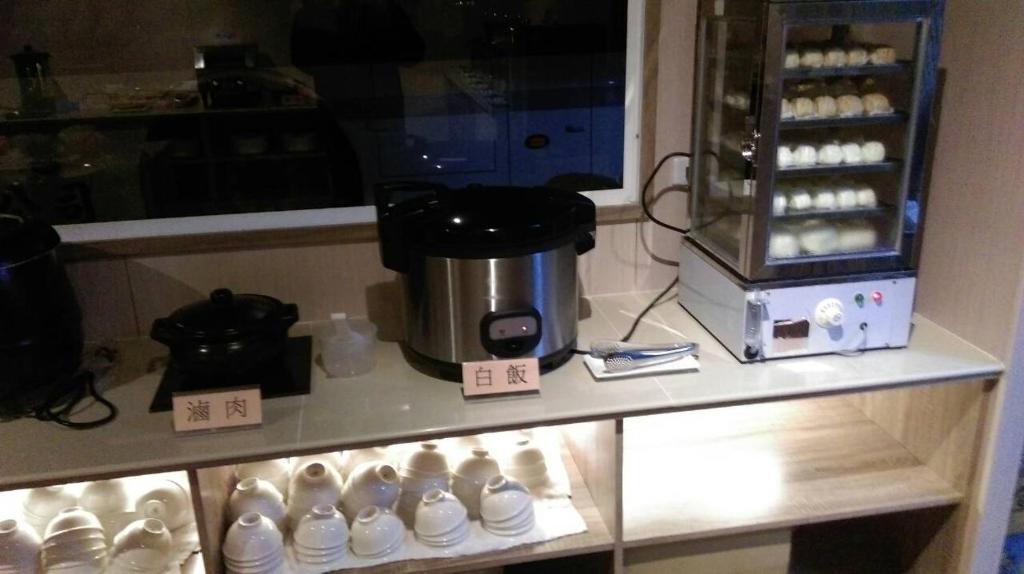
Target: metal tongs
619,356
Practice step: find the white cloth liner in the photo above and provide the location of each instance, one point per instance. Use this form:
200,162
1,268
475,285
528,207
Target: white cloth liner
555,515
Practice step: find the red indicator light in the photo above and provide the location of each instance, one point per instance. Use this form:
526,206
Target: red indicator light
877,297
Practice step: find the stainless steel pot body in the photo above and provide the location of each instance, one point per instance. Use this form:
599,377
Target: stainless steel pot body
460,310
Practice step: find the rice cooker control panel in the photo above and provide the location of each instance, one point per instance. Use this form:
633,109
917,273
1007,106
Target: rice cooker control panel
508,334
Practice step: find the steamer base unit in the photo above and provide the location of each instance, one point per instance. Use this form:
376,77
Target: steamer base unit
777,319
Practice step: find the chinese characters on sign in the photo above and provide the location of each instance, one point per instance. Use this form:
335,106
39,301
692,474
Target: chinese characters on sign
517,375
497,377
200,411
217,409
235,407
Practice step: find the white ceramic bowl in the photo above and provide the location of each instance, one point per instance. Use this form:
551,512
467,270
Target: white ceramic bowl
351,459
525,455
335,460
439,513
503,499
70,520
169,502
103,497
421,485
252,538
275,471
257,495
323,529
316,484
19,547
376,532
88,561
42,504
456,536
426,462
370,484
77,536
143,544
412,492
90,567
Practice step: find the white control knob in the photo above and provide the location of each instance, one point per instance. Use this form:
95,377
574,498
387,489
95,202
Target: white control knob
829,313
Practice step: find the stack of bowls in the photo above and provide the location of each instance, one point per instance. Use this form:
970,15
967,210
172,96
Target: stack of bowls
421,471
334,460
370,484
74,541
257,495
253,545
353,458
143,547
275,471
314,485
168,502
526,464
42,504
506,507
441,520
109,501
471,476
19,548
320,540
376,532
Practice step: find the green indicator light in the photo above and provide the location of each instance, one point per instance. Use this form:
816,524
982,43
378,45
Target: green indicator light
859,298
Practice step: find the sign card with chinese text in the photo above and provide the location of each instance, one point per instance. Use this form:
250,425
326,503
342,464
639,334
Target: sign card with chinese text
217,409
500,377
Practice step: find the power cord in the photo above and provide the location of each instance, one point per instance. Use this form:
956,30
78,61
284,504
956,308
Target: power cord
647,185
647,211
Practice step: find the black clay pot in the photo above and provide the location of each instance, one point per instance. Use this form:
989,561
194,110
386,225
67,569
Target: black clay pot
228,335
40,322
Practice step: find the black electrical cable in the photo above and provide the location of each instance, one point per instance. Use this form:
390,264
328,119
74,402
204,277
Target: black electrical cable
647,185
647,309
647,211
60,408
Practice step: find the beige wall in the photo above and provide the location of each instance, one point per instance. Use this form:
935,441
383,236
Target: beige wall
122,296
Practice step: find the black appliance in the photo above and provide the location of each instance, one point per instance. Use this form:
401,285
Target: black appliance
487,272
232,340
41,337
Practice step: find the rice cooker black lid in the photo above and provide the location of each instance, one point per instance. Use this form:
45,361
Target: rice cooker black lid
486,222
22,239
224,317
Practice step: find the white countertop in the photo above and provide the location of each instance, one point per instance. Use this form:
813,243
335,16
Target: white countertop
395,403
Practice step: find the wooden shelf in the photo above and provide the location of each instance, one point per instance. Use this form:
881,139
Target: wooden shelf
882,210
759,467
847,71
396,403
854,121
597,538
842,169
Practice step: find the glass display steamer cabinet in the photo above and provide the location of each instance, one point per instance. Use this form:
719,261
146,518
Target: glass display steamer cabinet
811,120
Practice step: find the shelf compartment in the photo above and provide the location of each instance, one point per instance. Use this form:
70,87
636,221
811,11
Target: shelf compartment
848,71
853,121
842,169
837,213
217,482
754,468
185,538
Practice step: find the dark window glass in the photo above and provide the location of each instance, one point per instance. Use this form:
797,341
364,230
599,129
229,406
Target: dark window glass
119,110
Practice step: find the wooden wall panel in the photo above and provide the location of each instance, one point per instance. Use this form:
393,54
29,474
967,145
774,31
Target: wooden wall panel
971,266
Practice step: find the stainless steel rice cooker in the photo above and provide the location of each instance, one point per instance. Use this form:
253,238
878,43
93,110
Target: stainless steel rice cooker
487,272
